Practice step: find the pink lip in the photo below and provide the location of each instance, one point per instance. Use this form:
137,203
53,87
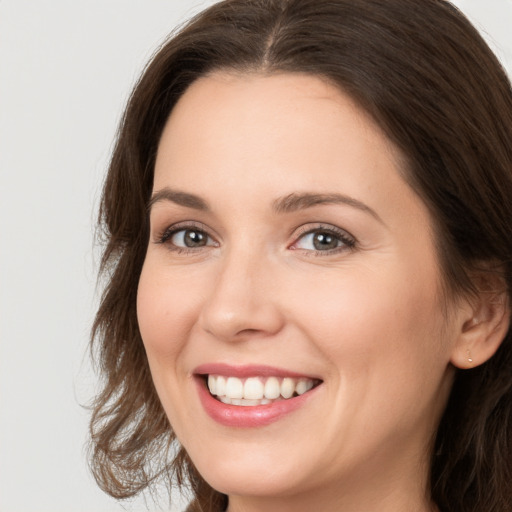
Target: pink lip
245,371
247,417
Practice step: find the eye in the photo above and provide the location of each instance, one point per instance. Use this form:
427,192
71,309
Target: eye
323,239
185,238
189,238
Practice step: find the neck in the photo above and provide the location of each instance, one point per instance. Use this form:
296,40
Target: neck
288,504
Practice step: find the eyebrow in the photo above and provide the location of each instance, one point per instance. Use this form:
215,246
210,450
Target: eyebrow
301,201
287,204
180,198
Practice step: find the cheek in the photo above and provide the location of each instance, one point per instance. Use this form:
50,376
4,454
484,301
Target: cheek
383,338
386,322
165,311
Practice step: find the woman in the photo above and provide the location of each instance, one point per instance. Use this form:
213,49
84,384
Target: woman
307,217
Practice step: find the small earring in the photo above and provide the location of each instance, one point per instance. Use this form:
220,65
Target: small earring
469,356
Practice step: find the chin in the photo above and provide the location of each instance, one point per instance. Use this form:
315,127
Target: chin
250,476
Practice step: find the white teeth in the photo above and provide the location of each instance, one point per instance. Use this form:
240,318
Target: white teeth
245,402
220,385
272,388
212,384
256,390
287,387
234,388
253,389
303,386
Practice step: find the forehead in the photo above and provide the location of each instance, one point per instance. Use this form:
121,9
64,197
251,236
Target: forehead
263,120
275,135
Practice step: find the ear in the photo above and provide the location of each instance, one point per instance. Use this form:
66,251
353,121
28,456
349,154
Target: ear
484,322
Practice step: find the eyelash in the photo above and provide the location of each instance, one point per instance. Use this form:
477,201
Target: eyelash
348,241
164,237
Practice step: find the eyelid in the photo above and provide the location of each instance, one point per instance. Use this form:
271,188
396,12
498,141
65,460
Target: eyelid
348,240
162,236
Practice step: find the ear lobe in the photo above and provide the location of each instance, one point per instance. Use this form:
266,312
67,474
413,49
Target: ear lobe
483,329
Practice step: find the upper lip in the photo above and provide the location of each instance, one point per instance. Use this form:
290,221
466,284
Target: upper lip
248,370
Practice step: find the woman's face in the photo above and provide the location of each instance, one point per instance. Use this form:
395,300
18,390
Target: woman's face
287,251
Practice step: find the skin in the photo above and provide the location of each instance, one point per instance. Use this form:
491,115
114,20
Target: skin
367,319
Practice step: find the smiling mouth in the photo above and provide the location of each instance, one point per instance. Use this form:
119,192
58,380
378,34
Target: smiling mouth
254,391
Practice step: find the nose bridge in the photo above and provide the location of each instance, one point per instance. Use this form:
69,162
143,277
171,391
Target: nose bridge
241,301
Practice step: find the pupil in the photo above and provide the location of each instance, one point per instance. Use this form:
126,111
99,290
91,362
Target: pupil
194,239
323,241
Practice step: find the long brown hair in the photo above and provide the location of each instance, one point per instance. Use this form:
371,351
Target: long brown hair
425,75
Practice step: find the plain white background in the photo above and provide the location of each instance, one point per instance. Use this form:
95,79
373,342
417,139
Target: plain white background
66,69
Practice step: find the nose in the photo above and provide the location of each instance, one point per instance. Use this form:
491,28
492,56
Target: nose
242,300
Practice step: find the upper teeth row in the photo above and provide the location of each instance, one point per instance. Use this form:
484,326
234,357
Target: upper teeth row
258,388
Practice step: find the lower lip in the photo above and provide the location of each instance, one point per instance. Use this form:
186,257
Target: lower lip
251,416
